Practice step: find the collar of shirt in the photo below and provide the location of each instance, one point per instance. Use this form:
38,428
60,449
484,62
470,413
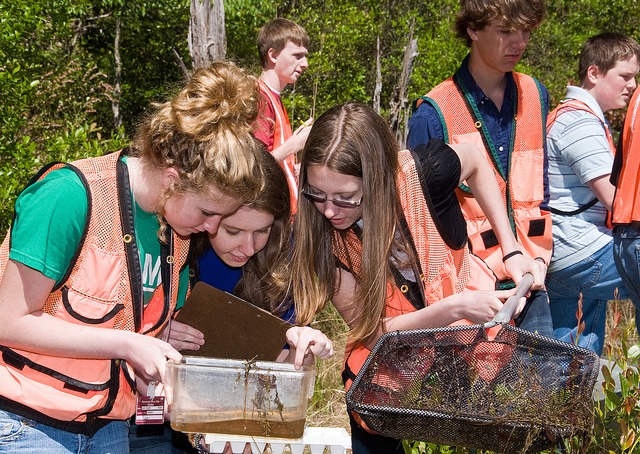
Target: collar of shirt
584,96
486,106
499,124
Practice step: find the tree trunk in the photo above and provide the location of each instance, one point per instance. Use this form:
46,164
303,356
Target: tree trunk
377,93
117,89
398,104
207,41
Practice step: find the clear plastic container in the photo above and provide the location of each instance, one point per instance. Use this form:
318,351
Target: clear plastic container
226,396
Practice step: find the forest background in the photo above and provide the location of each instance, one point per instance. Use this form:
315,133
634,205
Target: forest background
77,75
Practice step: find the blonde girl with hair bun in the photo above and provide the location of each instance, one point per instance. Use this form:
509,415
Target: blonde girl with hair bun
94,264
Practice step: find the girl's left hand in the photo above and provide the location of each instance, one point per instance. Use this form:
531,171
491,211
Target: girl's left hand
182,336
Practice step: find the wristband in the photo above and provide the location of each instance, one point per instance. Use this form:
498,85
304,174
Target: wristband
510,254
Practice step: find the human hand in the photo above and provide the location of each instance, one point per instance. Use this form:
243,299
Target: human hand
148,356
520,264
481,306
514,304
183,336
306,343
299,138
305,124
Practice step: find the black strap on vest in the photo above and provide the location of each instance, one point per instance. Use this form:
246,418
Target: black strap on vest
347,373
413,290
166,271
133,255
574,212
618,159
85,428
130,245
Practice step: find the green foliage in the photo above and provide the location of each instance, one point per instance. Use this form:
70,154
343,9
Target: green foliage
243,19
331,80
440,51
56,79
552,54
421,447
50,93
57,75
617,417
26,156
153,39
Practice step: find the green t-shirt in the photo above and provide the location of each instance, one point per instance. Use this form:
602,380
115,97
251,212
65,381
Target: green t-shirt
149,251
50,218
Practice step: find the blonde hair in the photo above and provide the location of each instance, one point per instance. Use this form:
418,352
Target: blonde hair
205,133
350,139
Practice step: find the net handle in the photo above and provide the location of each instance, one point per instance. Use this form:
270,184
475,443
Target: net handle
508,309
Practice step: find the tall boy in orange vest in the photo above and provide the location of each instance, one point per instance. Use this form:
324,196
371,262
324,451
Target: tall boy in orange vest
581,148
282,45
504,114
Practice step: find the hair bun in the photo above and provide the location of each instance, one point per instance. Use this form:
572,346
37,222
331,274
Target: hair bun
217,98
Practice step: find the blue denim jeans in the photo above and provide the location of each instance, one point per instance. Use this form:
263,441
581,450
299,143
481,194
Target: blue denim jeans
536,316
597,278
626,252
157,439
23,435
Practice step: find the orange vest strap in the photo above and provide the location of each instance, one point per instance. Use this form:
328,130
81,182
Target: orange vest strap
282,132
626,202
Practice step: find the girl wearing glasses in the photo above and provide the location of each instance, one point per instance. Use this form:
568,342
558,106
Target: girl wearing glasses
380,234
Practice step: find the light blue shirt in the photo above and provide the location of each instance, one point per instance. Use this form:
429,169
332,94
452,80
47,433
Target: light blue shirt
578,152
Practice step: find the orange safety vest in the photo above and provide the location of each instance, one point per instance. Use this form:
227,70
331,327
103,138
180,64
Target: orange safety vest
626,202
282,131
82,395
443,270
569,105
522,190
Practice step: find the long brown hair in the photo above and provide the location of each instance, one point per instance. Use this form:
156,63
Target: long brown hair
265,277
353,140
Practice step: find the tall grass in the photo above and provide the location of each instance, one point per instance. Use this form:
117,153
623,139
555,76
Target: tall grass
328,408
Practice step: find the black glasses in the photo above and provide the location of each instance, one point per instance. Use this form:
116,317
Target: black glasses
337,202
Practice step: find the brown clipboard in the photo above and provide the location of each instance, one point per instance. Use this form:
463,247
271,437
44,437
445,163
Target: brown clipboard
233,328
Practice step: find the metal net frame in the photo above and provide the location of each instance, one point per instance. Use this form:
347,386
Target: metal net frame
519,392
